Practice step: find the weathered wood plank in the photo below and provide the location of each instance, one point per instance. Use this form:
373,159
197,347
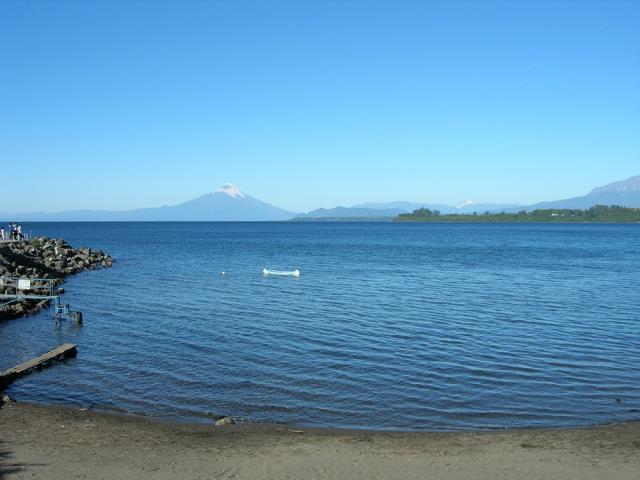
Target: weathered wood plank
63,351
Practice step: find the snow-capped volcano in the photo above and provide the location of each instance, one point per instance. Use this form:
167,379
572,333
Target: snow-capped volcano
231,190
228,203
466,203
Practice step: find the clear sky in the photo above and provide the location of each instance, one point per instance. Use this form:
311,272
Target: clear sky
306,104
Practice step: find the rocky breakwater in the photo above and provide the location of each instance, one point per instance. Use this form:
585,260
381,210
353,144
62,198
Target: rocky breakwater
42,258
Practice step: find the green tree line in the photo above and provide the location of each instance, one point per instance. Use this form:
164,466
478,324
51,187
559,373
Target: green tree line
598,213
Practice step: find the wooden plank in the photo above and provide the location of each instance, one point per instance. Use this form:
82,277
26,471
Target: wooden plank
63,351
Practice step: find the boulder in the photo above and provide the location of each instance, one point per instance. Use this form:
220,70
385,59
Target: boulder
44,258
224,421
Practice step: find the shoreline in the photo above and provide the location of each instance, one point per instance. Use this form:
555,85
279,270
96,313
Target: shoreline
208,421
278,427
61,442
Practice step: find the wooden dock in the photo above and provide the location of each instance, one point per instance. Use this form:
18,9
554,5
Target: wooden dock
59,353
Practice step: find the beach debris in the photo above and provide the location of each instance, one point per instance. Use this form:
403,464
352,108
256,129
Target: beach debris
4,399
224,421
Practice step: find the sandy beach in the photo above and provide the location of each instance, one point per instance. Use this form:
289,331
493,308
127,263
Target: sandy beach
63,443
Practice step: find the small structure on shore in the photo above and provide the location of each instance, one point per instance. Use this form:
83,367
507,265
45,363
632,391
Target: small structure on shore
40,289
31,270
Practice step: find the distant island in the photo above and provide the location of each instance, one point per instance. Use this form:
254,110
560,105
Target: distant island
598,213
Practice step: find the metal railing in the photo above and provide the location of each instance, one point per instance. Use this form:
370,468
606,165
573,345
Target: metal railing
16,289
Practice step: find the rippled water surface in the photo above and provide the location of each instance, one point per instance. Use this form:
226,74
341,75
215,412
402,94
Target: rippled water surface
390,326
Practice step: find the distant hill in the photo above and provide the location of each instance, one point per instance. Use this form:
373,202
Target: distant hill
625,193
470,207
393,209
350,212
227,203
404,206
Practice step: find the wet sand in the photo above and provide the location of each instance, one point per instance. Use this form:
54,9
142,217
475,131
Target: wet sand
63,443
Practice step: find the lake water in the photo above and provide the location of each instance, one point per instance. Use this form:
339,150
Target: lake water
390,326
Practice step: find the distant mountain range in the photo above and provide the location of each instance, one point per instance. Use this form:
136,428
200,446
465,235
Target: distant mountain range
625,193
229,203
393,209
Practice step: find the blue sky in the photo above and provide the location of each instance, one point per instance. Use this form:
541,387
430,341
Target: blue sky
125,104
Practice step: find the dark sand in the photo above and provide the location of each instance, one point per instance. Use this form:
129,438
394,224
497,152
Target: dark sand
63,443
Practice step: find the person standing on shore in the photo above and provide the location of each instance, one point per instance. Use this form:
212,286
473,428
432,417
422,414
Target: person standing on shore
2,234
19,232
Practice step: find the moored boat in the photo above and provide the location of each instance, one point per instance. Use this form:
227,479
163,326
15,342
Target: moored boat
281,273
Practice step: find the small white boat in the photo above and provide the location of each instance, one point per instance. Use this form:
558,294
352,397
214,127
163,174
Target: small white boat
281,273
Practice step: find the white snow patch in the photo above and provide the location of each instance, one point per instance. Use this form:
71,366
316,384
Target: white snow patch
466,203
231,190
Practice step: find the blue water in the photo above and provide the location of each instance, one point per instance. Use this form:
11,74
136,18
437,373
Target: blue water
390,326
